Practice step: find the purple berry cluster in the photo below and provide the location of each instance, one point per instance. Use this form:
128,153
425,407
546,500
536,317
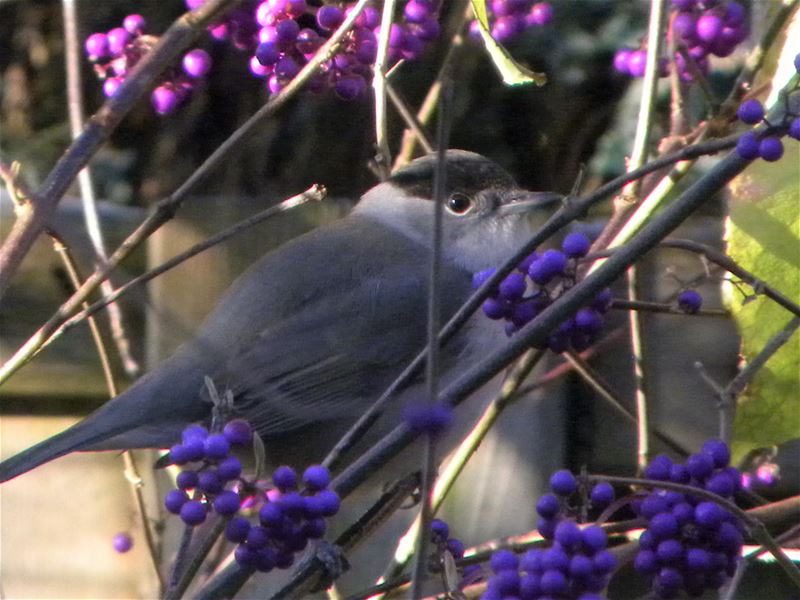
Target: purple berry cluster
690,544
703,28
509,18
290,32
576,566
538,280
440,537
214,469
750,145
115,53
287,520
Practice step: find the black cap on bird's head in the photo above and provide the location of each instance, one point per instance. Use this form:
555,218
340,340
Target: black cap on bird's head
465,172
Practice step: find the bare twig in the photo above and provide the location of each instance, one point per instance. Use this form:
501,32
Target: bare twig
384,155
30,223
199,554
76,122
665,308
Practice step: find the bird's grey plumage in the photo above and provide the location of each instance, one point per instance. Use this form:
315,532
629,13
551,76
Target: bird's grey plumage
288,338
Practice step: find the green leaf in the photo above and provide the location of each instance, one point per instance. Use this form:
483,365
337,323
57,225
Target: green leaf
763,234
511,72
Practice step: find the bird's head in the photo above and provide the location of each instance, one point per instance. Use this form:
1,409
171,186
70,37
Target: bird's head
486,218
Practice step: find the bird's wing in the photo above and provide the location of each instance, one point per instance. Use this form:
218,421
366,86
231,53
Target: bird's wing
353,322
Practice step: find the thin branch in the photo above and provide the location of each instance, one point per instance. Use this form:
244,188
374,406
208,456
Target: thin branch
666,308
22,356
73,57
420,569
199,554
384,155
428,107
605,391
30,223
412,122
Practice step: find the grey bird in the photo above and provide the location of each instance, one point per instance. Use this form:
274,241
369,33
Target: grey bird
311,334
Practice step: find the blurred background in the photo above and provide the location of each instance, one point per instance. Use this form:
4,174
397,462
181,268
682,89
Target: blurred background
58,521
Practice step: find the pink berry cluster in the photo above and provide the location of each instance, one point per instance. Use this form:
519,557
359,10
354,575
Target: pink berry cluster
115,53
509,18
768,146
287,518
291,31
699,28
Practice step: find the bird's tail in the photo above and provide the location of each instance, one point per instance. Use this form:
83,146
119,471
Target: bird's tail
147,415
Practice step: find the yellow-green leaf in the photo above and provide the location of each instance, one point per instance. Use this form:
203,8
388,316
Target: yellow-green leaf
510,71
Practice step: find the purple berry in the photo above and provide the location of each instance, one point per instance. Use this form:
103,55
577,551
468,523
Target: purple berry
708,515
440,529
257,537
287,31
236,530
512,287
576,244
227,503
645,562
329,502
178,455
690,301
604,562
594,539
122,542
118,38
541,13
621,58
229,469
308,41
186,480
329,17
428,418
134,24
196,63
747,146
553,582
164,99
284,478
548,506
588,321
174,500
794,128
317,477
292,504
563,483
568,535
209,482
670,552
267,53
546,528
659,468
286,68
216,446
751,112
770,149
603,301
314,529
97,46
555,558
503,560
417,11
270,514
685,26
192,432
718,451
495,309
637,63
602,494
663,526
350,87
709,26
456,547
193,513
580,567
700,466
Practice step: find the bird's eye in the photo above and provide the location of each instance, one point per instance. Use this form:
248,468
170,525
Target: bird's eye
459,204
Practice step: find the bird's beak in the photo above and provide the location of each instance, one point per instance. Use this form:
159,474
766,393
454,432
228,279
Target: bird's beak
527,201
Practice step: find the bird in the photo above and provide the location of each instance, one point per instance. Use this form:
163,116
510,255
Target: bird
312,333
